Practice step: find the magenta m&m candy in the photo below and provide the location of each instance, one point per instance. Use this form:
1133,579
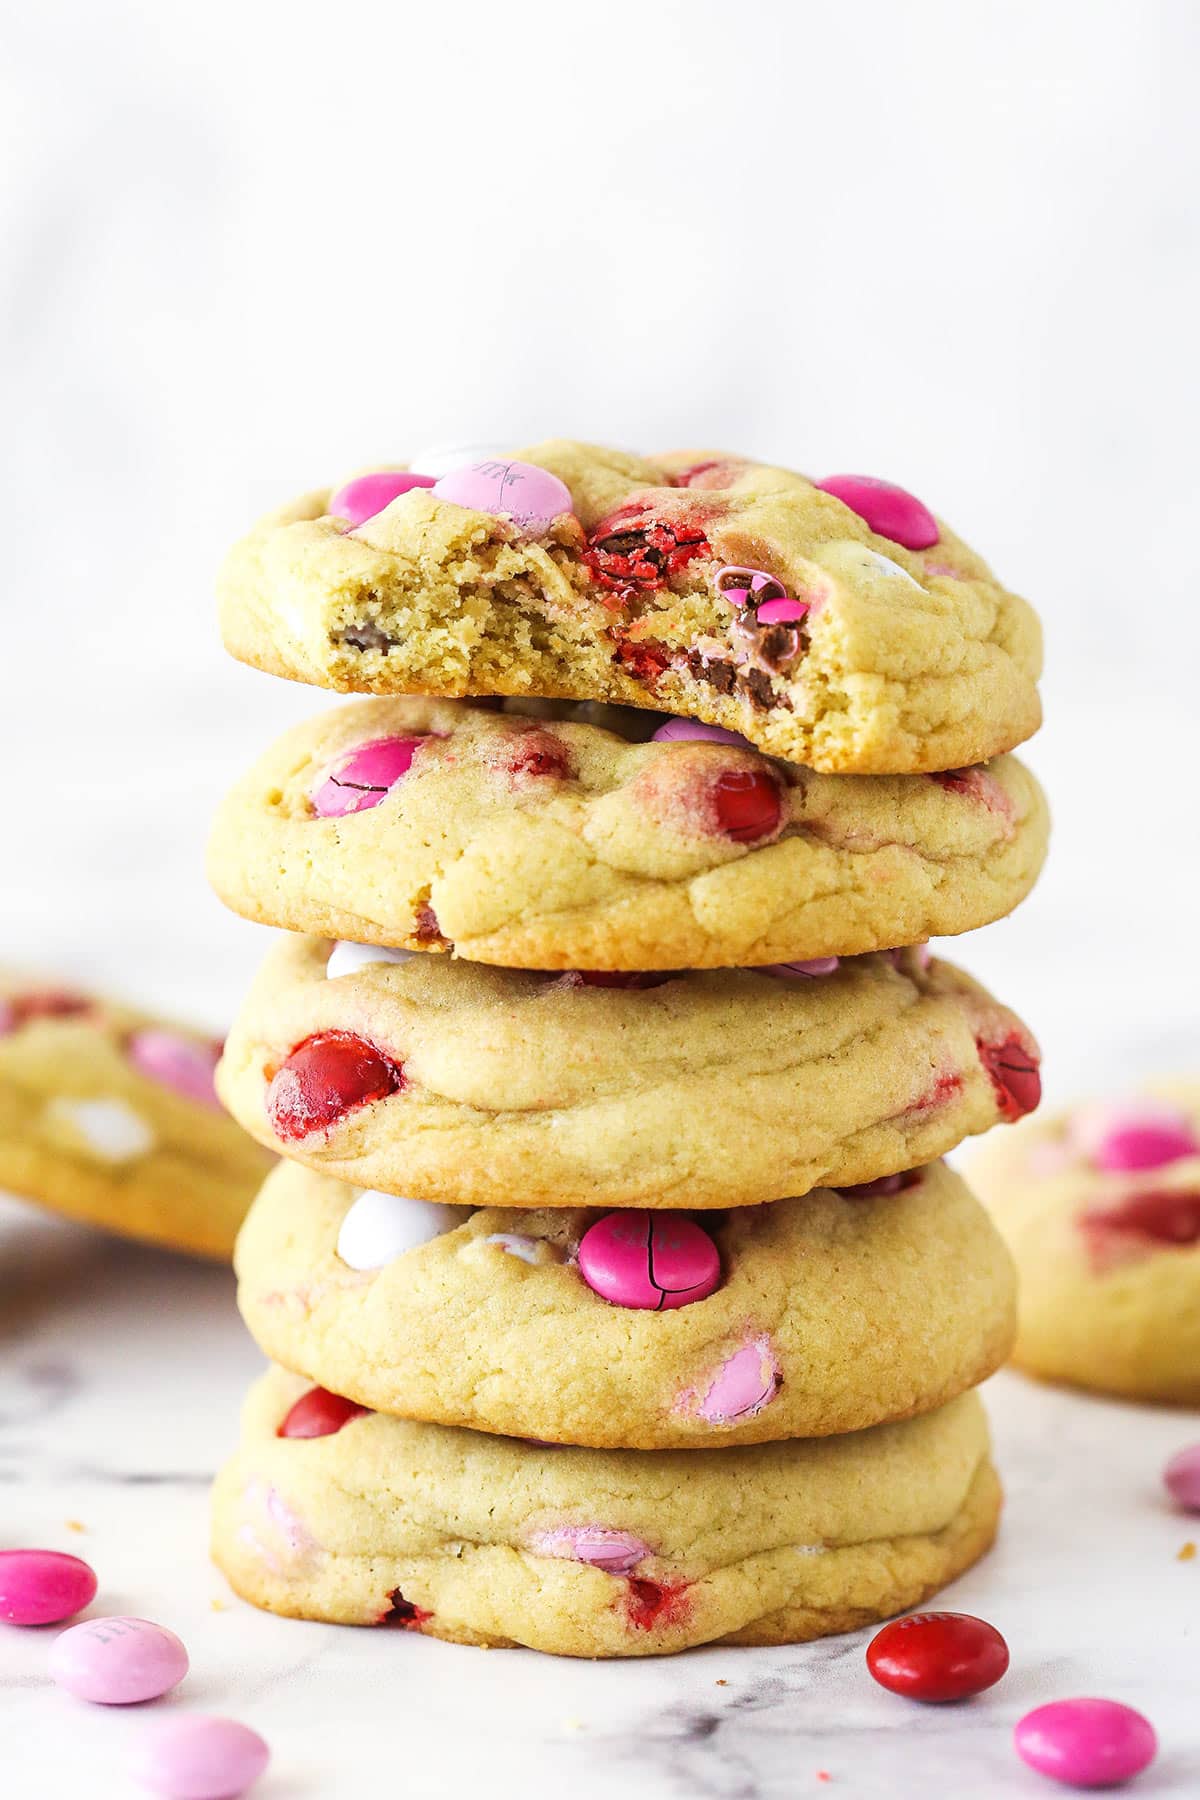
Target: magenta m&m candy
367,495
649,1261
1141,1134
937,1656
117,1662
531,497
43,1587
890,511
199,1757
1182,1478
363,777
1086,1743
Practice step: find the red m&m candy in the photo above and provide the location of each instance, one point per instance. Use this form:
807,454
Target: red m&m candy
1015,1075
937,1656
329,1075
747,805
318,1413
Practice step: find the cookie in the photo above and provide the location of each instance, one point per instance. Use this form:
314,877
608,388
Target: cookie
633,1329
836,624
110,1116
1101,1208
487,1540
452,1081
548,844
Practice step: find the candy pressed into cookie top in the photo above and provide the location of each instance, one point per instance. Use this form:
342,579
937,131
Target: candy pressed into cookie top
452,1081
552,842
834,623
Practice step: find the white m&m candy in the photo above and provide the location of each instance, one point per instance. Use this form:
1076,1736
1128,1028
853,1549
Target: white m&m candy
347,959
380,1227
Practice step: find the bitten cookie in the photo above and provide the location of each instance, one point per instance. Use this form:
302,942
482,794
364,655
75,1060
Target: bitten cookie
835,623
633,1329
487,1540
550,844
1101,1207
451,1081
110,1116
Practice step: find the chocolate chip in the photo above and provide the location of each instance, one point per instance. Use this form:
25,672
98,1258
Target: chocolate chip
758,685
779,644
719,674
366,636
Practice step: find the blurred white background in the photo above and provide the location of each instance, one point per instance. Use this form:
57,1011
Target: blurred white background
248,247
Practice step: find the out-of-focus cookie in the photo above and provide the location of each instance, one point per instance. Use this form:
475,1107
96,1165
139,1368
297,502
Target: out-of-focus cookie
554,844
834,623
110,1116
368,1520
633,1329
451,1081
1101,1208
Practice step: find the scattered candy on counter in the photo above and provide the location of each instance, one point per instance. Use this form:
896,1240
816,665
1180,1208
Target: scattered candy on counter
117,1662
649,1261
1182,1478
937,1656
1086,1743
43,1587
199,1757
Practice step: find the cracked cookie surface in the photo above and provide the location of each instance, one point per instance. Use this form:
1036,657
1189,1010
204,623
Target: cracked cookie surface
109,1116
453,1081
486,1540
489,1322
554,844
1101,1209
709,586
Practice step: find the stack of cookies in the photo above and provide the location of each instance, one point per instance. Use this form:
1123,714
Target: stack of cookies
616,1299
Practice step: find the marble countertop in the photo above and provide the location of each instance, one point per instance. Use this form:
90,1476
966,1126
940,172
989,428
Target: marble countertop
120,1383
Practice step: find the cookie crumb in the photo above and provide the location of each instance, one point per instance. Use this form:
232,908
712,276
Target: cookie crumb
219,1605
721,1683
75,1525
824,1775
1187,1553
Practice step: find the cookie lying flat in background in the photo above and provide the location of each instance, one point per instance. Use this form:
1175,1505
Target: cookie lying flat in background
1101,1209
329,1513
110,1116
551,843
635,1329
449,1080
835,623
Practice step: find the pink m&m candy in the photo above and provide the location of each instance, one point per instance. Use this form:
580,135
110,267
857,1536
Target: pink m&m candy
1182,1478
178,1062
367,495
800,971
1142,1134
199,1758
531,497
117,1662
888,510
364,776
1086,1743
650,1261
682,730
43,1587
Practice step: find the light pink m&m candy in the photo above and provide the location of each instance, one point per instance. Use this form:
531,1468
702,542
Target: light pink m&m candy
531,497
1182,1478
117,1662
199,1757
891,511
43,1587
367,495
1086,1743
650,1261
364,776
684,730
178,1062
